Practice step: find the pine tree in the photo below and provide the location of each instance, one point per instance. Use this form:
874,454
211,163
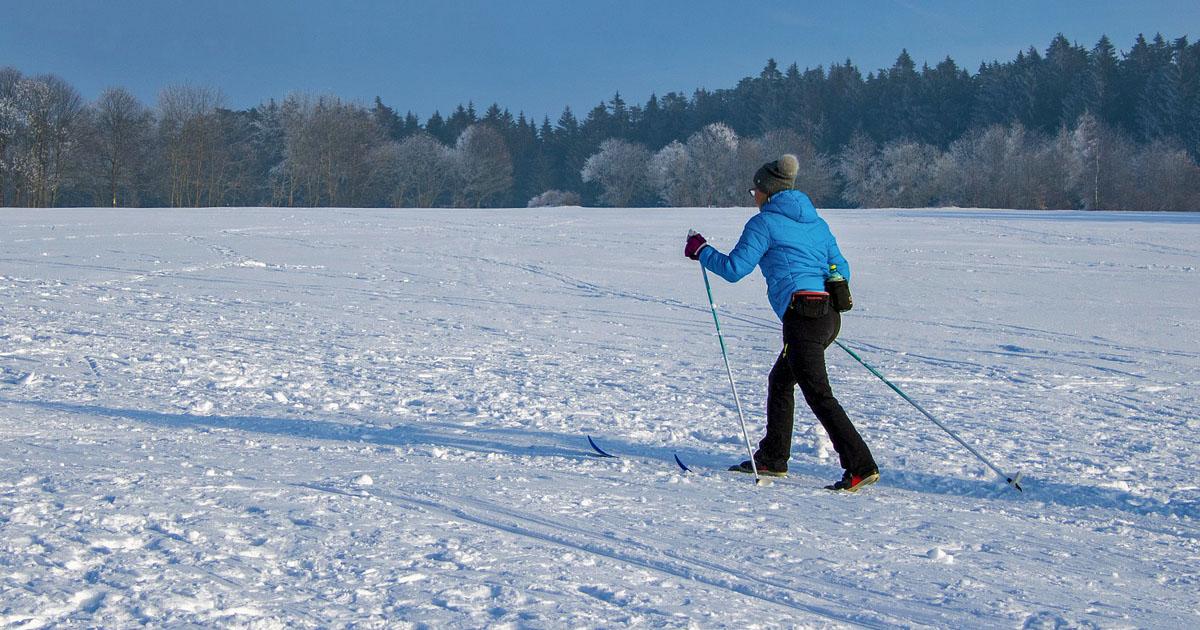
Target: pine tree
677,115
564,152
842,106
1133,73
1061,87
651,128
948,94
460,120
410,126
522,140
387,119
1103,93
1159,107
1189,95
436,127
620,119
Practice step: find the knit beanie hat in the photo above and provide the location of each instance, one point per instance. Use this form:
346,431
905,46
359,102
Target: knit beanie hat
773,177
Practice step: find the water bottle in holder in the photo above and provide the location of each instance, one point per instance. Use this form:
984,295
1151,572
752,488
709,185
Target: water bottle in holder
838,289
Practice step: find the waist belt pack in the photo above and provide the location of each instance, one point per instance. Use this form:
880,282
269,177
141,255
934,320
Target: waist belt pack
810,303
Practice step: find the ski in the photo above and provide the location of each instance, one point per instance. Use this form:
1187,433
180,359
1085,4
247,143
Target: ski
599,450
603,453
766,479
684,468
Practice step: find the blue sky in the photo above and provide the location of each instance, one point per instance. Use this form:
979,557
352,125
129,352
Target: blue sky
530,55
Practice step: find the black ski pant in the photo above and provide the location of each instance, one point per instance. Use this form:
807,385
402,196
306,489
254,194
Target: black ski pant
809,326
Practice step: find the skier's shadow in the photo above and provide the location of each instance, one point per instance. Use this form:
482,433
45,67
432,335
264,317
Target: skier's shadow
1035,489
435,434
536,443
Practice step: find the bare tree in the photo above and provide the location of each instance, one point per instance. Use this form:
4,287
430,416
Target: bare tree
751,155
484,166
290,174
346,134
195,150
622,169
122,128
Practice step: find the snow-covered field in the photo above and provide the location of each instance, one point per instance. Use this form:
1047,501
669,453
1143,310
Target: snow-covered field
279,418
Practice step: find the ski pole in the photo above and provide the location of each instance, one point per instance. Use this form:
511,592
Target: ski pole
1014,481
725,354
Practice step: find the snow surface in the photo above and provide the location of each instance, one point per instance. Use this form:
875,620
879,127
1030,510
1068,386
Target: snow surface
275,418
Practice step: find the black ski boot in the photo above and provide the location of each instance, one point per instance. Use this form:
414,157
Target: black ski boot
854,483
764,471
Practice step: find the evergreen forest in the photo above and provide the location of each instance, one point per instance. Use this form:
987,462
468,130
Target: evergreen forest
1068,127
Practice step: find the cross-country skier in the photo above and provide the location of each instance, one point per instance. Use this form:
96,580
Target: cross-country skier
795,250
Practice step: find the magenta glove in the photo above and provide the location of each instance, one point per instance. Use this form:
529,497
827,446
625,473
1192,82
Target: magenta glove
695,243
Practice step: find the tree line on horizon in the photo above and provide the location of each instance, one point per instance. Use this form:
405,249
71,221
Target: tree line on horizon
1065,129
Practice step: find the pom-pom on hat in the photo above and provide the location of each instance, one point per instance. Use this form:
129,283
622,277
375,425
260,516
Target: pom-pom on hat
773,177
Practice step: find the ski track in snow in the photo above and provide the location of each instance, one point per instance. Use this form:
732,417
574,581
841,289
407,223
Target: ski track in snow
279,418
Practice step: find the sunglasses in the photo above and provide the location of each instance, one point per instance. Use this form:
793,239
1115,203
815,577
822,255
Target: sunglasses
752,191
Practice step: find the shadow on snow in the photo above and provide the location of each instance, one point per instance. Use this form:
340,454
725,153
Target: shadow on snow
574,446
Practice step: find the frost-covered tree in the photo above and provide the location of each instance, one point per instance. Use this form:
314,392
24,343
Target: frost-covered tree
715,176
1036,172
484,168
713,169
622,169
1090,146
908,173
902,174
329,156
424,169
555,199
860,169
11,122
969,171
669,170
1168,178
50,110
1004,167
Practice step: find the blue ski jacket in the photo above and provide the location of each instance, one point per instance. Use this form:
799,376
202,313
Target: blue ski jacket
789,242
